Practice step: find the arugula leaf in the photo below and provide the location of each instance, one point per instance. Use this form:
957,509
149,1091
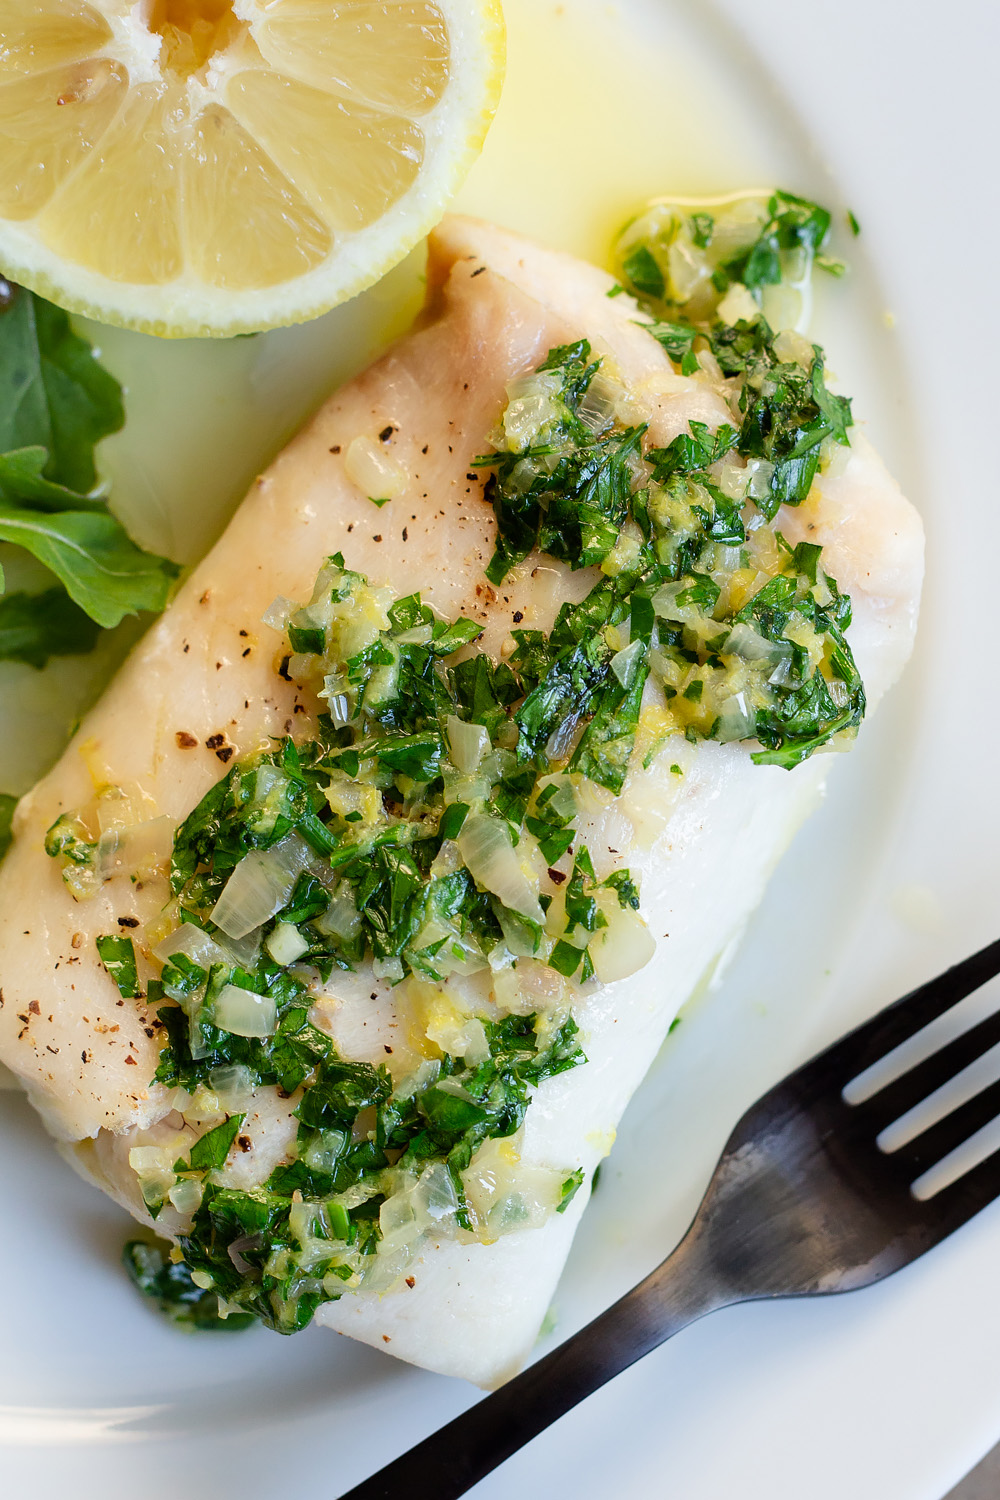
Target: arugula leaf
34,627
56,404
22,480
104,572
53,391
7,806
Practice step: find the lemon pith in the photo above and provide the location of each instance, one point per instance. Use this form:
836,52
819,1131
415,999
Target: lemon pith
200,167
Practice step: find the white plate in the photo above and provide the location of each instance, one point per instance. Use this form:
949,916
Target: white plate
888,1394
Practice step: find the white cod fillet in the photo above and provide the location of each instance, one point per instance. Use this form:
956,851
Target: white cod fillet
207,669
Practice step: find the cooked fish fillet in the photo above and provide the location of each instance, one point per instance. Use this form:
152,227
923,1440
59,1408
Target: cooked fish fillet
203,684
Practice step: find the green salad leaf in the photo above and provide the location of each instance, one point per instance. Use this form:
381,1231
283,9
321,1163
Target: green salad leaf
23,482
34,627
56,404
90,553
54,393
7,806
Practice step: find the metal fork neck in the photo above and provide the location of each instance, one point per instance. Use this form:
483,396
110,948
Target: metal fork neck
451,1461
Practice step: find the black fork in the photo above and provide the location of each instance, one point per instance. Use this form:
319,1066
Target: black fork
803,1201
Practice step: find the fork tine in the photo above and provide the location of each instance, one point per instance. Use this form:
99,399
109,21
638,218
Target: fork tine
938,1141
964,1198
895,1025
923,1080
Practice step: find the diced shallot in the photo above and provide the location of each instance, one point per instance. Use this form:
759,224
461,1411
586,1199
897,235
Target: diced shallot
245,1013
260,886
491,858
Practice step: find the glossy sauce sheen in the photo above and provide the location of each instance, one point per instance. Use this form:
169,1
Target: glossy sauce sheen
704,843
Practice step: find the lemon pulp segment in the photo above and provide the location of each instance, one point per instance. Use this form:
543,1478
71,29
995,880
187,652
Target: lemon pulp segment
210,165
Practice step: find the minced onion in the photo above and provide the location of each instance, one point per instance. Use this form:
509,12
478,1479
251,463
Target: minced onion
369,466
286,944
528,988
746,642
260,886
736,719
623,947
534,402
624,663
232,1085
322,1151
468,743
461,1036
668,606
153,1166
388,968
341,918
279,612
245,1013
194,943
600,401
186,1195
506,1194
486,846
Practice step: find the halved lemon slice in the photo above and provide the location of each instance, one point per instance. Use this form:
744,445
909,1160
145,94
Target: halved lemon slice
197,167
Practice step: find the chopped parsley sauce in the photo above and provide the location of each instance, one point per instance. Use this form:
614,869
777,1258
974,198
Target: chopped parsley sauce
430,823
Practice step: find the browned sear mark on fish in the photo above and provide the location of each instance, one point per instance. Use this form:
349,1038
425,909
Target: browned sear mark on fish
184,740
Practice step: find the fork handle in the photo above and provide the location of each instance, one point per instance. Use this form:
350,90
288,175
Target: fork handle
453,1459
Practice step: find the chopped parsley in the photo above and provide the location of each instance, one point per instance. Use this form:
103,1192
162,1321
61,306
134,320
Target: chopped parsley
313,1230
428,824
412,840
744,634
683,263
118,957
35,627
570,1187
169,1285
